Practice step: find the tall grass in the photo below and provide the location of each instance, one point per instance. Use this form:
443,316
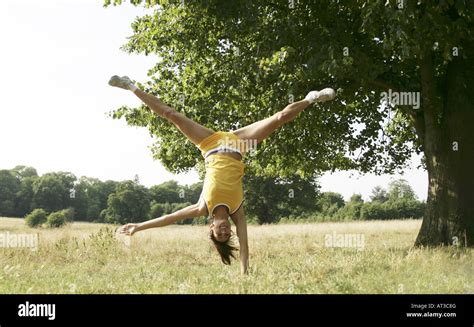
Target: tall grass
285,258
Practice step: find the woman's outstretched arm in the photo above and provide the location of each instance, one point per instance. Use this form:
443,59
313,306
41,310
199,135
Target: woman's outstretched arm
241,224
194,210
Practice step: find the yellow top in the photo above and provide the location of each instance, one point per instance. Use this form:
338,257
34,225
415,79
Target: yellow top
223,181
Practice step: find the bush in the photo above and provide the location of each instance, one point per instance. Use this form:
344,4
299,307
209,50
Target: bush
200,221
252,220
36,218
93,212
102,216
56,219
159,209
392,209
70,213
405,208
178,206
373,210
351,211
129,204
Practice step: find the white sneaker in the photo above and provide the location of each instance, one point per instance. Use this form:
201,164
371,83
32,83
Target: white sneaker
123,82
324,95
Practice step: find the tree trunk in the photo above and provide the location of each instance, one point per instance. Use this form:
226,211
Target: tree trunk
449,152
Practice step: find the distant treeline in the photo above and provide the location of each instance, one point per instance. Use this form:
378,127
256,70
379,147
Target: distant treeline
267,200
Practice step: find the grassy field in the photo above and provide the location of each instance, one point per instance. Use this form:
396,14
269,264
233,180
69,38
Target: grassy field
293,258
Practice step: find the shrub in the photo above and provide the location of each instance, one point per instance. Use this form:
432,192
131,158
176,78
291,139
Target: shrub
56,219
373,210
405,208
351,211
36,218
178,206
200,220
158,209
70,213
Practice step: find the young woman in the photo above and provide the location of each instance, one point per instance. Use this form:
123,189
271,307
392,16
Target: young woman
222,193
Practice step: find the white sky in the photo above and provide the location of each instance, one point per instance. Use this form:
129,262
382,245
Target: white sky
56,59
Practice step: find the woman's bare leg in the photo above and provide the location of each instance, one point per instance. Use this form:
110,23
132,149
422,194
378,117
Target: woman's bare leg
192,130
262,129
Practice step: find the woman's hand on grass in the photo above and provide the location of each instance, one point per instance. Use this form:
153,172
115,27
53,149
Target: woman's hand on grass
129,229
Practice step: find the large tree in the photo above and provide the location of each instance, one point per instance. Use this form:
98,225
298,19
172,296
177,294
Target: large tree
229,63
9,186
269,199
24,196
379,194
169,191
129,203
54,191
400,189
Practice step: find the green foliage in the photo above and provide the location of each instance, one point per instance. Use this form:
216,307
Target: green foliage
56,219
159,209
91,195
399,203
167,192
200,221
328,199
130,203
193,192
356,198
246,75
69,213
24,195
329,203
400,189
104,240
379,194
36,218
53,191
406,208
374,210
9,186
172,192
236,62
351,210
269,199
392,209
83,193
23,172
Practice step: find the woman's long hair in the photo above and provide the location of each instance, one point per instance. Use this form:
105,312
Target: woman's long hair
226,249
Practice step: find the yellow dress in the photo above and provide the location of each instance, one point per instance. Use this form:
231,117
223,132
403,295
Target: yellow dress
223,181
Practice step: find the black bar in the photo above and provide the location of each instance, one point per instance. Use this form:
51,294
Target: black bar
318,310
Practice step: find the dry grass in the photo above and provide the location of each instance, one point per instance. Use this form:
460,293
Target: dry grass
89,258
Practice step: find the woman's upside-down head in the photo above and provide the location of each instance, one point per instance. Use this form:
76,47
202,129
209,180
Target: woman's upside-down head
220,234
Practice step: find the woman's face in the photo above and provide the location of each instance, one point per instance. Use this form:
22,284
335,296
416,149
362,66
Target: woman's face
220,226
